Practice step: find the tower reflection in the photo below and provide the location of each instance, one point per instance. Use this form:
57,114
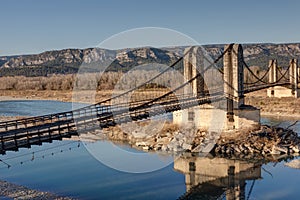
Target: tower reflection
216,178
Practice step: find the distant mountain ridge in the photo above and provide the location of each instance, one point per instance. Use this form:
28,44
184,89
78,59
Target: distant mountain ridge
69,60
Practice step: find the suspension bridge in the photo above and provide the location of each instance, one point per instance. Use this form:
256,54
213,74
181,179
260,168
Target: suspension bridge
203,83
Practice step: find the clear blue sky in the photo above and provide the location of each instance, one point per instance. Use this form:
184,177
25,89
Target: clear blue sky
33,26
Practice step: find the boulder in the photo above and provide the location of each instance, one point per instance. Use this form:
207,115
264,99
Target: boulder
186,146
141,144
295,148
146,148
164,148
139,135
163,140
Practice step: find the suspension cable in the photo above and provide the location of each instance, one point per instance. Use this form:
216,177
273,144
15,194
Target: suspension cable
186,83
260,80
257,81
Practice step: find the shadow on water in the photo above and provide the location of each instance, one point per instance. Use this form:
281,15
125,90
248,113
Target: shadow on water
213,177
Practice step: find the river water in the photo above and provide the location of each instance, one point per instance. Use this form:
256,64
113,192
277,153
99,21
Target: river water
66,168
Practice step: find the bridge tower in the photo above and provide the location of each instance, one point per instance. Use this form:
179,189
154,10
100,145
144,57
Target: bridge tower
294,75
239,115
194,65
233,78
280,91
273,77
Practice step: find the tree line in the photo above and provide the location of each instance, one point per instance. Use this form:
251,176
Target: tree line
60,82
90,81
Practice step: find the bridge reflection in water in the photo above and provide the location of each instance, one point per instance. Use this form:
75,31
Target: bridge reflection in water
217,178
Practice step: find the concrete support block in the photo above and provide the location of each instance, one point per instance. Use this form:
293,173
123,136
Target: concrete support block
270,92
212,119
202,117
247,117
280,92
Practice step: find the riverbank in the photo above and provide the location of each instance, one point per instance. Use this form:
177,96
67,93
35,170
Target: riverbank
270,106
8,118
274,107
56,95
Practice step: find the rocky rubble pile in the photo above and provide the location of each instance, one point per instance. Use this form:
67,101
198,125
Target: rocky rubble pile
171,138
265,141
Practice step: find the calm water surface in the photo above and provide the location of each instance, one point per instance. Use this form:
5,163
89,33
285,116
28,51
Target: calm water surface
66,168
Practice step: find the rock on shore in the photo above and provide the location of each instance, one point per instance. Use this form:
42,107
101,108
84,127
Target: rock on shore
264,142
170,138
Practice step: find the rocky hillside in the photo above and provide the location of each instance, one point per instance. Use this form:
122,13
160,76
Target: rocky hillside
4,59
69,60
260,54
